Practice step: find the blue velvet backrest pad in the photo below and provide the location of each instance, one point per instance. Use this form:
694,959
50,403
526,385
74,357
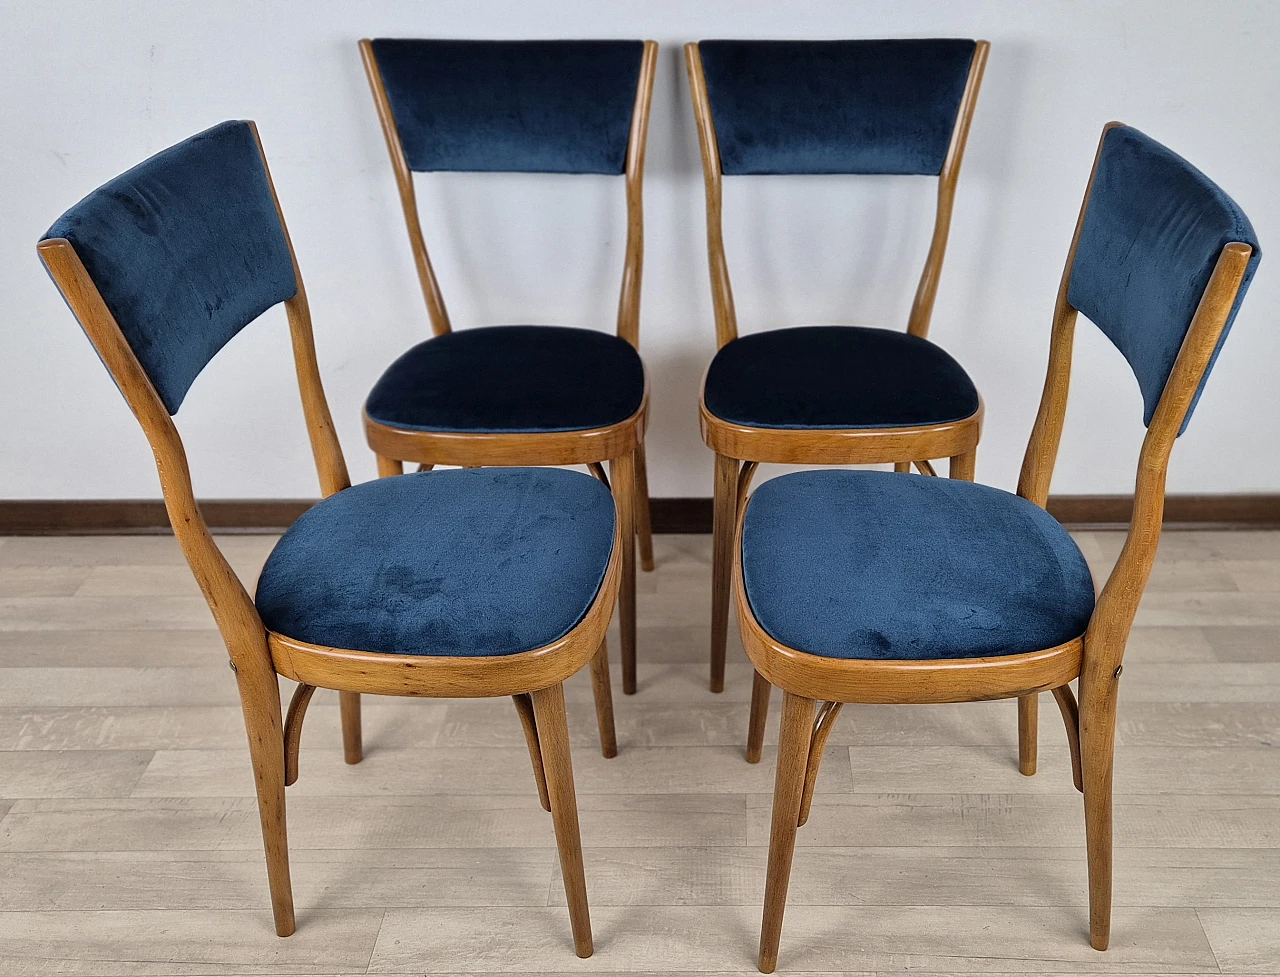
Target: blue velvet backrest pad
186,249
512,106
1153,229
885,106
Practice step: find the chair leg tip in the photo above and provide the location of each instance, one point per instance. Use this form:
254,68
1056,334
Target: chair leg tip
1027,769
609,752
717,685
1100,941
647,565
285,928
767,966
753,756
584,950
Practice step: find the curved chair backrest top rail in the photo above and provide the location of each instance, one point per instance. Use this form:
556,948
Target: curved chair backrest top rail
1160,261
569,106
896,106
162,266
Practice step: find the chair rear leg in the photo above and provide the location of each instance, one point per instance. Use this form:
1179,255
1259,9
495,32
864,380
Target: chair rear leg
793,757
724,525
644,528
553,736
760,689
260,700
622,477
1097,755
602,689
1028,729
352,736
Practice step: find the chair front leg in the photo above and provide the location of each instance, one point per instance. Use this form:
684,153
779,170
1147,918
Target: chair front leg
793,757
260,700
389,466
1097,760
644,527
622,477
964,466
553,738
723,526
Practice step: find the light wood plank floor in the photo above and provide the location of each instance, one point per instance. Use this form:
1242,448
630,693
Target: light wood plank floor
129,841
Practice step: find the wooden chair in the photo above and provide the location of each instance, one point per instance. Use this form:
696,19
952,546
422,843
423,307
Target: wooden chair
865,586
830,395
393,587
525,394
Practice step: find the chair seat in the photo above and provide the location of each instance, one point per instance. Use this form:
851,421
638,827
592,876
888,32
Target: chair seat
837,377
479,562
511,379
881,565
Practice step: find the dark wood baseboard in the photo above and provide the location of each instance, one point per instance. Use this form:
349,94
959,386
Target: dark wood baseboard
72,517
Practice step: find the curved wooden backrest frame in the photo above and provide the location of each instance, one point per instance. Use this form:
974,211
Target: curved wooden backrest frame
633,265
1109,628
926,291
233,610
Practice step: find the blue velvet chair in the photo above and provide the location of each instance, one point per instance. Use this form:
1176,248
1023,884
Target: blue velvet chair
827,395
458,583
520,394
866,586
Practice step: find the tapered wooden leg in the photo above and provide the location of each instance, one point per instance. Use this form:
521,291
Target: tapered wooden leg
524,708
902,466
644,529
553,735
760,689
793,757
352,738
622,476
389,466
260,700
1097,754
724,525
964,466
1028,729
603,692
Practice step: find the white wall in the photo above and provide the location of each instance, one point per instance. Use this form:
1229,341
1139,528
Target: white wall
89,88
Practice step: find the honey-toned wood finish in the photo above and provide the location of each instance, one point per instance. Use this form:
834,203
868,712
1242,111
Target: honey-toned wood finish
622,440
258,656
1095,659
733,443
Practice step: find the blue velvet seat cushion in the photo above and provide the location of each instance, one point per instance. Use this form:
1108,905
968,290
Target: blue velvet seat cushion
186,249
836,377
880,565
1152,233
865,106
515,106
484,561
513,379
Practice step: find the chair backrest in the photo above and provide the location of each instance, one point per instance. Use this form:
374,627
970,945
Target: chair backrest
512,106
162,267
838,107
875,106
186,249
517,107
1160,261
1153,229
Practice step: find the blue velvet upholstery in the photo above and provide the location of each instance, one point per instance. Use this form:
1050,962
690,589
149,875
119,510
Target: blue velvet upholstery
836,377
513,379
1152,233
835,106
481,562
186,249
880,565
515,106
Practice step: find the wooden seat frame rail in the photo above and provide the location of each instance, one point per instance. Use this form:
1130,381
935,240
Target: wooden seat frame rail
259,656
621,444
739,447
1095,658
